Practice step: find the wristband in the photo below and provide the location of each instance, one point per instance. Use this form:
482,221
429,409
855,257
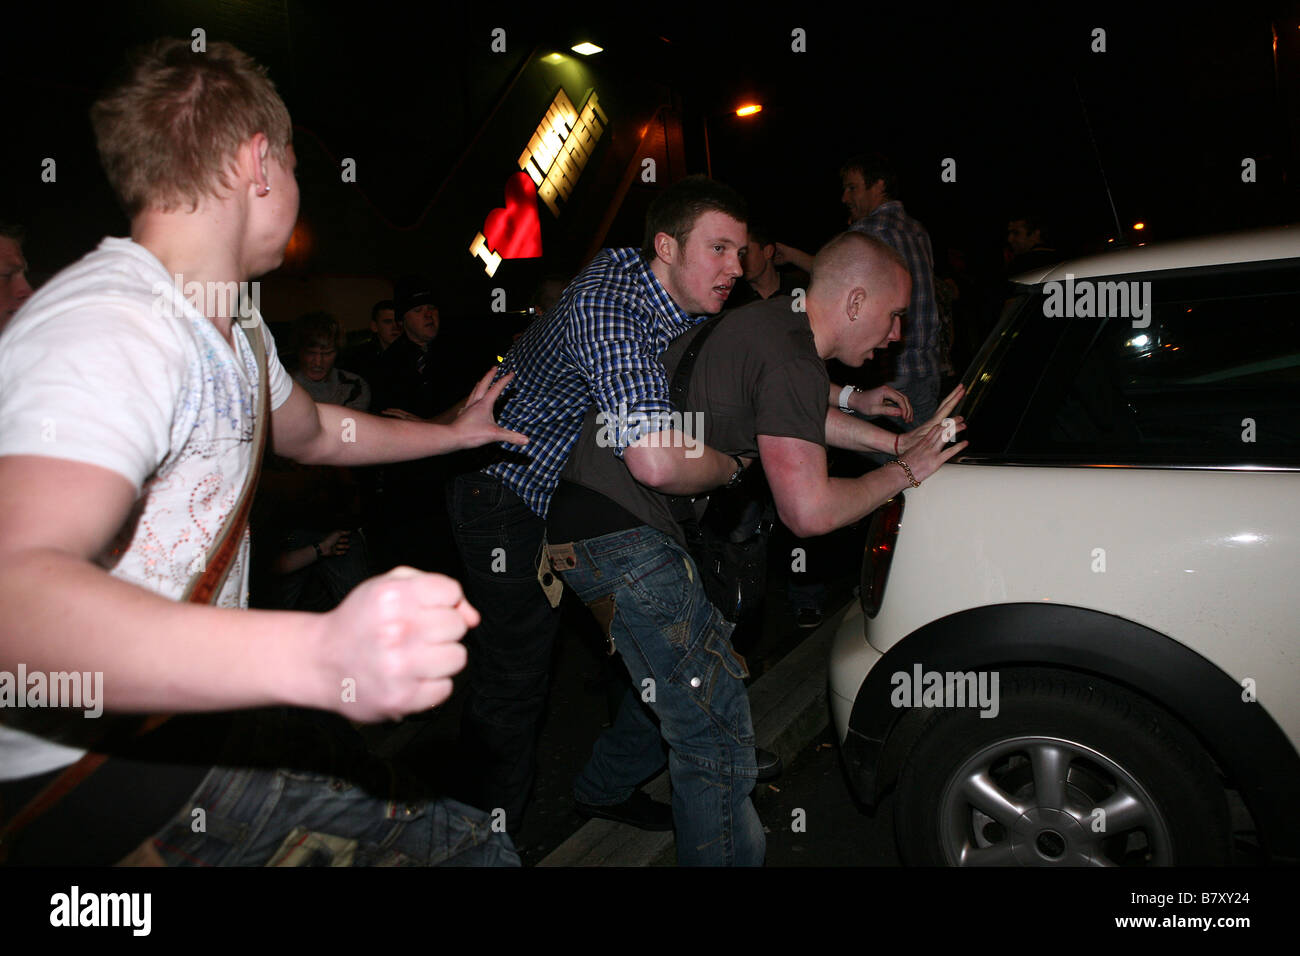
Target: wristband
845,392
910,476
896,437
736,475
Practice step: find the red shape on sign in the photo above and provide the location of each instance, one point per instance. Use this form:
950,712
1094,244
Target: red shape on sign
516,231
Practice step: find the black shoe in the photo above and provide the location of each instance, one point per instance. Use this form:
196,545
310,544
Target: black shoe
637,810
769,764
808,617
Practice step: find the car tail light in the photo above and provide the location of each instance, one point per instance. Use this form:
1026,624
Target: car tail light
882,538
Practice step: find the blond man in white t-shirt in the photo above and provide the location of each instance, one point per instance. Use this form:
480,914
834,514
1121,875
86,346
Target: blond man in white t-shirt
127,405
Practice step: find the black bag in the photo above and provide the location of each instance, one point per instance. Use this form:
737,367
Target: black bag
730,548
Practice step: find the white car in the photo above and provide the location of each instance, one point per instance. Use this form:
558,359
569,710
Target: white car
1078,643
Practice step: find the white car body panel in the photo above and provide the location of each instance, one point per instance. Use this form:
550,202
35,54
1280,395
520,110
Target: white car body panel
1206,557
1254,245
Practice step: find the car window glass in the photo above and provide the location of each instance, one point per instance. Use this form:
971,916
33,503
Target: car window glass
1213,379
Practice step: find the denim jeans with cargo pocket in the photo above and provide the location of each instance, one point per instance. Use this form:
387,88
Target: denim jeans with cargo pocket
306,792
645,591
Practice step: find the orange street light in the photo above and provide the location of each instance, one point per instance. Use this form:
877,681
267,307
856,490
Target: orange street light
1139,225
749,109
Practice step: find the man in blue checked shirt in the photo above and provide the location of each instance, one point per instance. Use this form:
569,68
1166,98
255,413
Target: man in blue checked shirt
599,345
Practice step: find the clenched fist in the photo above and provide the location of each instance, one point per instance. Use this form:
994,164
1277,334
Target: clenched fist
391,648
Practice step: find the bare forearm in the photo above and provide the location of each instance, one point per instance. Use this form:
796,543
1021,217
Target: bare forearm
348,437
287,562
676,464
61,613
846,431
842,501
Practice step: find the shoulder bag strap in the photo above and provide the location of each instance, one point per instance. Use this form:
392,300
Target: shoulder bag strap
203,589
681,506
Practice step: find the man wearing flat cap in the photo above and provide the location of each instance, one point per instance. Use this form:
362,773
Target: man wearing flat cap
412,384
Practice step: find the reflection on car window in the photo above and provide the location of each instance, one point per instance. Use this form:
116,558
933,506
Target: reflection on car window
1213,379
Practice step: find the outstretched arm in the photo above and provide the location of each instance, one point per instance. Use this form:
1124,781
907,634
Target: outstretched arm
792,256
811,503
847,431
319,434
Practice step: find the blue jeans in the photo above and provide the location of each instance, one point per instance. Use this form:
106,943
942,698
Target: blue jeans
500,538
646,592
254,817
924,396
923,393
306,792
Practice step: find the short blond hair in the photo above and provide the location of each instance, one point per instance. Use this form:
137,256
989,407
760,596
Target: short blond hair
168,131
854,258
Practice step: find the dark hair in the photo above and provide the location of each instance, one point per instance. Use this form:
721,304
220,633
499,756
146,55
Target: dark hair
11,230
316,328
759,232
380,306
1032,224
873,166
676,209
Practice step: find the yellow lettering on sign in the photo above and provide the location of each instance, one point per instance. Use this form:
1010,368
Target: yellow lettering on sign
490,259
527,165
559,148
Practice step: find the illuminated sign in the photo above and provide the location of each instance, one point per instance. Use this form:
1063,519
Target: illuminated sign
553,160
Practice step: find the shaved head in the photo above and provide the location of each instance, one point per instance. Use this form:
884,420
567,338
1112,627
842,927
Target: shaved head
853,259
858,297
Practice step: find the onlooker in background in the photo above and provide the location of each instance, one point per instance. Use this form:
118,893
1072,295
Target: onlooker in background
317,335
407,380
313,568
364,357
413,384
14,290
1027,247
762,278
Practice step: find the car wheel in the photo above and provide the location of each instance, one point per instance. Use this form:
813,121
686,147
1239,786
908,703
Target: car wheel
1072,771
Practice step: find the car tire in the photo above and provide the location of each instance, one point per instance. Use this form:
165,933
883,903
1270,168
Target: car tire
1072,771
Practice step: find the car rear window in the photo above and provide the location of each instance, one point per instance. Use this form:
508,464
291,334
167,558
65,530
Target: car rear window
1190,367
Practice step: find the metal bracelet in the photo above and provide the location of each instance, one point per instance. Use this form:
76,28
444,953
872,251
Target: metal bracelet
910,476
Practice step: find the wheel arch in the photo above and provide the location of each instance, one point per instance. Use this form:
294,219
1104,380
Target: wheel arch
1242,738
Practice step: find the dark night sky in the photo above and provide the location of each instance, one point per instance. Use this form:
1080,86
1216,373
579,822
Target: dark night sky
1180,96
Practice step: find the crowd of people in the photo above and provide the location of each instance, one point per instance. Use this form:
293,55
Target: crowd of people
383,560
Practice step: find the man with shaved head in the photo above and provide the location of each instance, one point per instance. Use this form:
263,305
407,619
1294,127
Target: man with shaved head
758,387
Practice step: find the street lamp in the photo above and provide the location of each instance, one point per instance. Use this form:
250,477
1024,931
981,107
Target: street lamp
749,109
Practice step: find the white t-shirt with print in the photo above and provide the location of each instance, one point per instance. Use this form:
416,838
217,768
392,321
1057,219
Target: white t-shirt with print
110,365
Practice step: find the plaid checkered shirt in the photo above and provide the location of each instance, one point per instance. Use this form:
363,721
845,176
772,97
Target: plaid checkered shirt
599,345
919,356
